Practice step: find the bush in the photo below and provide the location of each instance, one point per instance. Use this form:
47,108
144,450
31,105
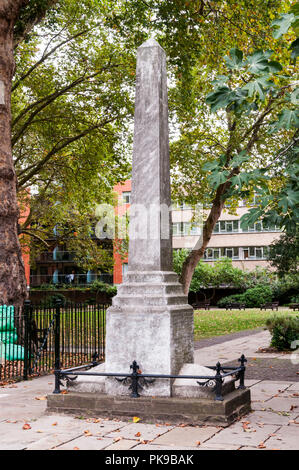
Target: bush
50,300
252,298
284,330
257,295
222,303
100,286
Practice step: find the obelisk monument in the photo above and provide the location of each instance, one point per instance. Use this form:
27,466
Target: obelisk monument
150,320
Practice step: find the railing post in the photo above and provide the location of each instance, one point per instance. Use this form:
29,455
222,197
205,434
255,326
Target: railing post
242,360
57,364
134,385
219,382
27,338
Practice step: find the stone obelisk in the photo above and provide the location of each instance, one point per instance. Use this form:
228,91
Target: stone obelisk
150,320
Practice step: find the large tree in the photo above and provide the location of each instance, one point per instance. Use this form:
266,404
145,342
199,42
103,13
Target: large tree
24,14
71,109
68,79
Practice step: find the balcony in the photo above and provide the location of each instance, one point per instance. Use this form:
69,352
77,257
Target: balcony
56,256
37,280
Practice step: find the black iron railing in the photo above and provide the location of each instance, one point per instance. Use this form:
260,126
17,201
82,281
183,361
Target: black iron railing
33,336
136,380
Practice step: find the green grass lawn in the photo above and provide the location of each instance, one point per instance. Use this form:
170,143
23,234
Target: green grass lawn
217,322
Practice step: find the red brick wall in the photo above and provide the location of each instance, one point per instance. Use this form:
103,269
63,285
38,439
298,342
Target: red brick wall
120,188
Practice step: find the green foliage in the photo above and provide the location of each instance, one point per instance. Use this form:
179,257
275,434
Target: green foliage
284,254
284,330
206,275
99,286
222,303
258,295
252,298
72,107
50,300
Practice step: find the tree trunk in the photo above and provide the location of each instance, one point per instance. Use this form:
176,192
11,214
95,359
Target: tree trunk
12,272
195,256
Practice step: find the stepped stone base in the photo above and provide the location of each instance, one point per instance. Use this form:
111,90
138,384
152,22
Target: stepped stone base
173,410
151,322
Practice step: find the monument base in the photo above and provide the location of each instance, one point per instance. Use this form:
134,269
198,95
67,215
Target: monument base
173,410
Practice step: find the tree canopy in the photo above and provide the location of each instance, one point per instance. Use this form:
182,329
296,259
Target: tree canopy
72,105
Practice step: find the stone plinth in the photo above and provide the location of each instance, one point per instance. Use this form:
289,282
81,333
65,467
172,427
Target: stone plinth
158,410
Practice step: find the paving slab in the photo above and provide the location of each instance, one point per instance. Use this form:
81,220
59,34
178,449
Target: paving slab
294,387
282,404
140,431
187,436
236,434
154,448
123,444
86,443
261,418
207,446
265,390
287,438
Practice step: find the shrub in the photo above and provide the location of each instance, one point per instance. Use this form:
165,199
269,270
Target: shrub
257,295
50,300
252,298
100,286
284,330
222,303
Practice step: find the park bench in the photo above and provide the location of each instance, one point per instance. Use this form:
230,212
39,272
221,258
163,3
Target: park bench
233,305
204,304
294,306
269,305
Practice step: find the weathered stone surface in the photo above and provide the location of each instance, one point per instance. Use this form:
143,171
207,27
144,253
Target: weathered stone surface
150,320
151,168
191,388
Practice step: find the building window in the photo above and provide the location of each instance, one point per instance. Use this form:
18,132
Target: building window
226,226
255,252
224,252
126,197
180,206
180,229
262,227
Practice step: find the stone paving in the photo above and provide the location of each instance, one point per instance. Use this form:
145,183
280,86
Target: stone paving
273,423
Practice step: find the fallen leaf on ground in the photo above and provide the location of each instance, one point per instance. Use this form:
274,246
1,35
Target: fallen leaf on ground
40,398
261,445
116,439
54,424
136,419
26,426
198,443
87,433
64,392
138,434
76,448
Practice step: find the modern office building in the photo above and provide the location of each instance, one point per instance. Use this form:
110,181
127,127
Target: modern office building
247,248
